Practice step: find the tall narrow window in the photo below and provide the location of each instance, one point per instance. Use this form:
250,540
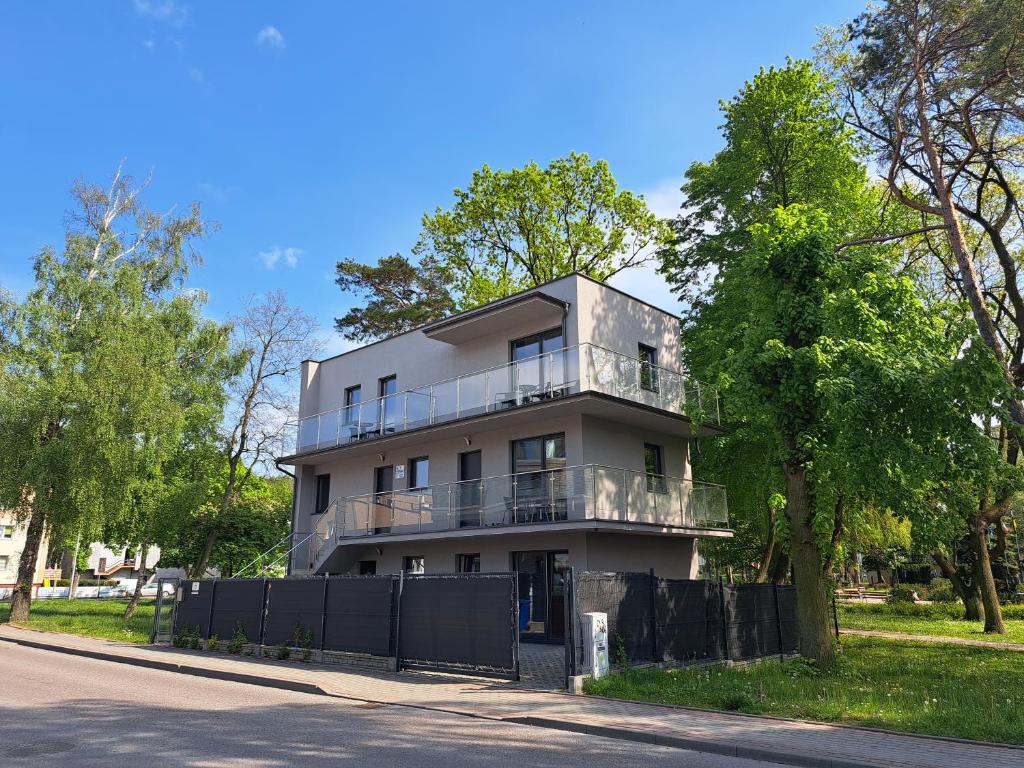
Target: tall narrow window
387,390
469,563
323,493
648,368
353,396
419,472
654,468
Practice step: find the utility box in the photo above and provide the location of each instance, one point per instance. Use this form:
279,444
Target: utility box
594,633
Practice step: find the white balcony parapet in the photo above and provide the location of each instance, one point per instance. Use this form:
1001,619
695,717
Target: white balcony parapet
582,493
552,375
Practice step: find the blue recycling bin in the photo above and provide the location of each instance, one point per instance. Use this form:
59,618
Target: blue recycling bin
524,613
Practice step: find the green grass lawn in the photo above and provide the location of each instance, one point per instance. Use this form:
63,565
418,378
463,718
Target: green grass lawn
943,690
92,618
943,620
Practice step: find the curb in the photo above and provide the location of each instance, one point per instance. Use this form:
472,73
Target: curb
170,666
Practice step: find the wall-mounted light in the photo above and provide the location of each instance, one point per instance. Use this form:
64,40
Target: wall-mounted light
466,438
380,457
380,551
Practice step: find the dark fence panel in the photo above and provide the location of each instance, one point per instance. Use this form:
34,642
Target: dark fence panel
459,621
685,624
753,624
693,619
291,603
238,602
359,615
787,617
626,598
194,608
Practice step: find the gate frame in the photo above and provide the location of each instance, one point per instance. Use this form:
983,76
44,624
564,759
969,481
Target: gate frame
154,633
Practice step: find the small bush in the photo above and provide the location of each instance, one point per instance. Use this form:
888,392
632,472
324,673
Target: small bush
238,640
904,593
284,651
738,701
302,638
620,656
189,637
941,591
211,642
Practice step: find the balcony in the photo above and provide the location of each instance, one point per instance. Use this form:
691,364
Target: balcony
572,494
553,375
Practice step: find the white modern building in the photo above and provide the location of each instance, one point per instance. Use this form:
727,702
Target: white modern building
546,430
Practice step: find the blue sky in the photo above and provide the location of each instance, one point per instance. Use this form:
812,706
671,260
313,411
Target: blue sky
318,131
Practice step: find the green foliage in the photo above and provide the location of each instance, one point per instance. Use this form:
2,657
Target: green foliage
212,643
257,519
620,656
90,617
511,230
941,591
302,637
904,593
188,637
238,640
399,296
284,651
876,682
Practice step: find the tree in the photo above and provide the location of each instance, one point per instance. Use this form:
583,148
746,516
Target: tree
512,230
257,520
400,296
273,338
81,375
935,88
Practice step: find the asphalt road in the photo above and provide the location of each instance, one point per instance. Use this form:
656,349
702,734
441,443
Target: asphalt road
74,712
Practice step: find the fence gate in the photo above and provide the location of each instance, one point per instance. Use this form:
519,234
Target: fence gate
164,610
459,622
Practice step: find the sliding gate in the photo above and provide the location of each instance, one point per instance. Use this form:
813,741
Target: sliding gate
465,622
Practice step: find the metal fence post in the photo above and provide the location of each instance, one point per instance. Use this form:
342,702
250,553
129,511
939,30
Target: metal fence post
263,614
323,617
398,619
213,602
725,621
778,619
570,623
835,614
654,617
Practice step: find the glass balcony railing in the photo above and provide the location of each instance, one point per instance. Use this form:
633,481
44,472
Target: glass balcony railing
568,371
588,492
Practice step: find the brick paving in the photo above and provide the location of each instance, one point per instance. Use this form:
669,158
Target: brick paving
788,741
996,644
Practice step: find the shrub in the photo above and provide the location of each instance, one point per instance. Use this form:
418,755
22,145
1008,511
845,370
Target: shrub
738,701
302,638
284,651
941,591
238,640
188,637
903,593
211,642
621,655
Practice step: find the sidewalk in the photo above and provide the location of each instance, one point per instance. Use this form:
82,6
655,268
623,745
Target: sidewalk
997,645
771,739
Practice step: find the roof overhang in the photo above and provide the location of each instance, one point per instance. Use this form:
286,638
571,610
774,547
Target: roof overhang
497,318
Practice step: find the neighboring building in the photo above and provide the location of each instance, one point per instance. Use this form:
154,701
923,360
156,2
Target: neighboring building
546,430
120,564
12,542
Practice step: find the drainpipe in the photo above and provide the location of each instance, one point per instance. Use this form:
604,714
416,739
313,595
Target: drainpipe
295,494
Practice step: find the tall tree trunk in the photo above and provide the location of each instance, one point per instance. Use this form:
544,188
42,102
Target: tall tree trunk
813,614
983,577
969,593
133,603
782,567
767,559
199,569
21,598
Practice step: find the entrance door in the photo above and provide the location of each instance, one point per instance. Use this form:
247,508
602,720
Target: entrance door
470,472
542,583
383,485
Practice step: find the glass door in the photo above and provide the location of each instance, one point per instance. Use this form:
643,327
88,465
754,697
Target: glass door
541,594
383,485
538,464
467,500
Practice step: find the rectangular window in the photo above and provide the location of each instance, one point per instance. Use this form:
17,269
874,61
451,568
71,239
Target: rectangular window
323,493
419,472
413,564
469,563
655,469
353,396
6,531
648,368
367,567
4,561
387,390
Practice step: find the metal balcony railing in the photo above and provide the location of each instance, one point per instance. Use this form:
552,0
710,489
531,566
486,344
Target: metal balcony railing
568,371
587,492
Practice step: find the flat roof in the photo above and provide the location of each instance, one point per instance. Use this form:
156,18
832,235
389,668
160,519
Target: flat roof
483,308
